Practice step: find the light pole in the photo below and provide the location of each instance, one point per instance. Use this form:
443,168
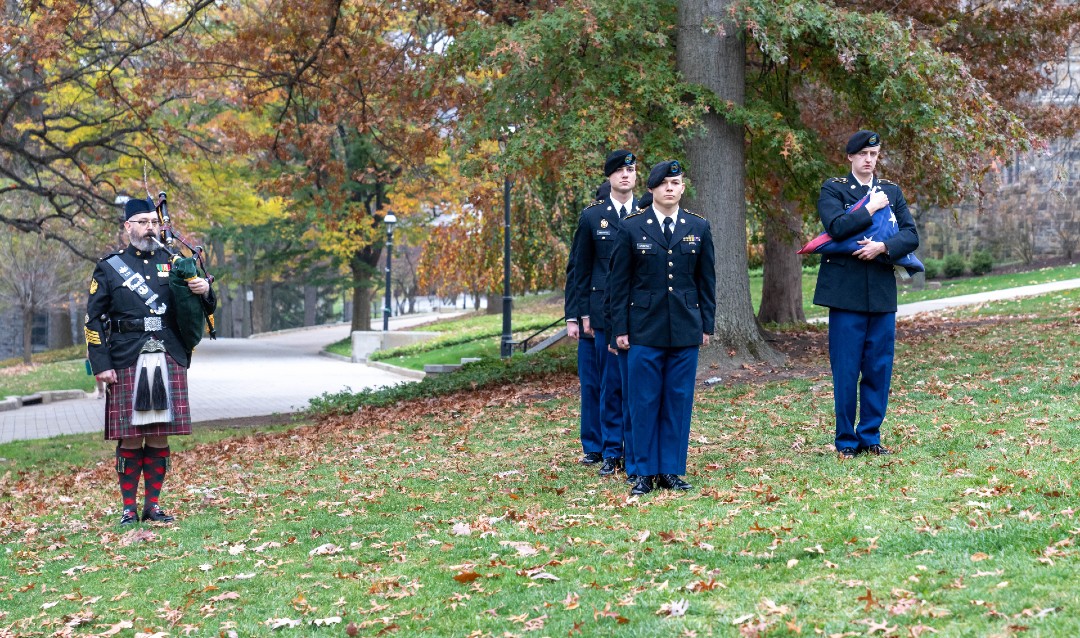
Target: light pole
389,220
507,349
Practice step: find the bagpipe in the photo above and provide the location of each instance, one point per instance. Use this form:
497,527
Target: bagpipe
194,317
882,226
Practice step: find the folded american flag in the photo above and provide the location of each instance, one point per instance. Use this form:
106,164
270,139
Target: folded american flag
882,227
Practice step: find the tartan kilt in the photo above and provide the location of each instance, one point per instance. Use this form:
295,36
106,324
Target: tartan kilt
118,397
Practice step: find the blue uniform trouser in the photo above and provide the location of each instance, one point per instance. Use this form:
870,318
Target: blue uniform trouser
611,399
589,374
860,343
628,427
660,407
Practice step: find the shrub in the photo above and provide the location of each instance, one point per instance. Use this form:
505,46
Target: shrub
954,265
982,262
933,268
472,376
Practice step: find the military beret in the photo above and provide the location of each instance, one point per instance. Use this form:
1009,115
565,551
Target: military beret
861,140
670,168
616,160
603,190
645,201
136,206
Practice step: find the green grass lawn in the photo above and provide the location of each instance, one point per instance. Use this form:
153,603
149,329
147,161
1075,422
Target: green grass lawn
470,516
62,375
949,287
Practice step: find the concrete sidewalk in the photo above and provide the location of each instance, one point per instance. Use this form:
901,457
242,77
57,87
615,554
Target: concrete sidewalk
274,373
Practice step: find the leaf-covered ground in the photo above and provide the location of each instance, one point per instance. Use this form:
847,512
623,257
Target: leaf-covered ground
470,516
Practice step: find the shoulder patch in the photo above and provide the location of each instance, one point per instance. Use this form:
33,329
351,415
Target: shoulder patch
595,203
886,181
690,212
635,214
838,180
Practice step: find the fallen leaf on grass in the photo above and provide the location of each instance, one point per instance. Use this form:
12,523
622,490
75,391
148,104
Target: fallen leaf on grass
544,576
229,595
137,536
979,556
320,622
466,577
329,549
278,623
117,628
674,609
523,548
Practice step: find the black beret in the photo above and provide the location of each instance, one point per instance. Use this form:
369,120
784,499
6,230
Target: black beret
861,140
136,206
645,201
616,160
670,168
603,190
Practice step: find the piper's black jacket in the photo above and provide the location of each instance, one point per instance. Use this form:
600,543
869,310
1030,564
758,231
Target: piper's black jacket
110,300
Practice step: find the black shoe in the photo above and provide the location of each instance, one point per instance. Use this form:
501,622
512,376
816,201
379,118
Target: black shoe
878,450
154,513
591,458
642,486
129,518
671,482
631,479
848,453
611,465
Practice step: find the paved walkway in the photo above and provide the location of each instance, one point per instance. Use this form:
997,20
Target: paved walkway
277,373
231,378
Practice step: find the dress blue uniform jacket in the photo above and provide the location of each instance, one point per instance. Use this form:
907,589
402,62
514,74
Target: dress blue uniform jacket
663,294
590,257
849,283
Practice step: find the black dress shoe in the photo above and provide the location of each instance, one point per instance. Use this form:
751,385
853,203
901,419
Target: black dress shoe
642,486
592,458
878,450
129,518
611,465
671,482
154,514
848,453
631,479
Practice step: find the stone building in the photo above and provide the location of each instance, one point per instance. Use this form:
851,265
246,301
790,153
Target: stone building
1031,209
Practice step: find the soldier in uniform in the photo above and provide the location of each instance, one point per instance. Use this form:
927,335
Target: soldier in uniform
134,347
860,292
663,309
591,251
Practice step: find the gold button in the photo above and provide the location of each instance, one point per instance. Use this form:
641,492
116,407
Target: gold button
669,252
670,289
145,261
643,252
694,251
670,265
670,276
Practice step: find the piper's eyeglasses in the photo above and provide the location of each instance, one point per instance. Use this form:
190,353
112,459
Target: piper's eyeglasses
145,222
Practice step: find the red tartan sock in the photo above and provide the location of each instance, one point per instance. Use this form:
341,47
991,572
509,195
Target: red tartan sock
129,462
156,462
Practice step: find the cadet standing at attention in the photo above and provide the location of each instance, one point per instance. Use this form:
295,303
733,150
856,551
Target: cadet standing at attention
663,309
586,283
860,292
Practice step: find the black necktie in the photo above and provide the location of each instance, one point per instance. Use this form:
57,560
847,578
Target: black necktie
621,215
668,224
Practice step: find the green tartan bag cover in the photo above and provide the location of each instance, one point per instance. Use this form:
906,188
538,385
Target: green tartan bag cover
190,316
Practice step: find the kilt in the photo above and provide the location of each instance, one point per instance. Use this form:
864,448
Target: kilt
118,397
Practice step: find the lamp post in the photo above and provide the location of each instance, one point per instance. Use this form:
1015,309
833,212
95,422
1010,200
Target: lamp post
389,220
507,349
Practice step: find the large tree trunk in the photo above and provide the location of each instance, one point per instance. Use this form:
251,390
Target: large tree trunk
311,303
28,328
362,267
716,59
781,289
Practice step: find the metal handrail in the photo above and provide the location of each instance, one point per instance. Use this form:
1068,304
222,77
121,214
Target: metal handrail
524,343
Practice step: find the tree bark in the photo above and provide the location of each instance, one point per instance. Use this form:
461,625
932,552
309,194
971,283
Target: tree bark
781,289
28,328
311,302
716,59
362,265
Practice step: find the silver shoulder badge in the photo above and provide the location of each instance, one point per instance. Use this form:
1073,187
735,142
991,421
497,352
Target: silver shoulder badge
838,180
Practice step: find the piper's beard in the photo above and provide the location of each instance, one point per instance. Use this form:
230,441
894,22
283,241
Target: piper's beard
144,244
